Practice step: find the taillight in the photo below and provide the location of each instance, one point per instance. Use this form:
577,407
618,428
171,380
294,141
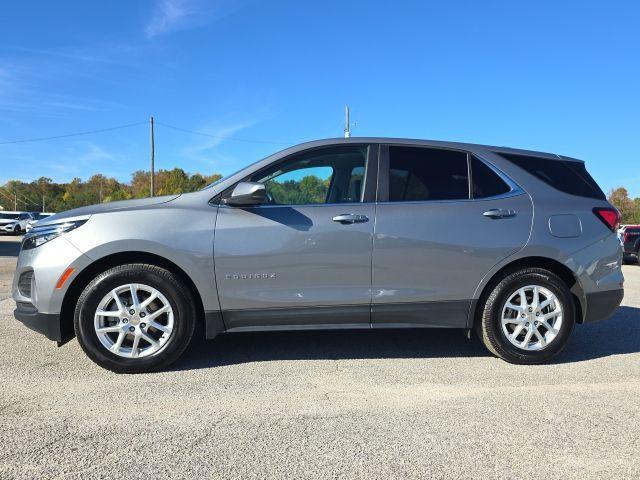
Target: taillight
609,216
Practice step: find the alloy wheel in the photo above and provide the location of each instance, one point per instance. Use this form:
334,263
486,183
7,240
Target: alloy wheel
531,317
134,321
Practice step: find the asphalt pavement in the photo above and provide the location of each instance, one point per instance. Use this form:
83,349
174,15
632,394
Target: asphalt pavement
366,404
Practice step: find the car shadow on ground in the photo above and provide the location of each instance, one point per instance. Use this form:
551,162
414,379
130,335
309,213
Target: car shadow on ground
10,247
618,335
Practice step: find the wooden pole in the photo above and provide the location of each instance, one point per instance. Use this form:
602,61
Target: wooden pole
152,160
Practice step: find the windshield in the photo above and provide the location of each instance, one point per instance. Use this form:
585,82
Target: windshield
9,216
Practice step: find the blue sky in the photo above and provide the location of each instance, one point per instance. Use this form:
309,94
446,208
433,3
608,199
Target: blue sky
553,76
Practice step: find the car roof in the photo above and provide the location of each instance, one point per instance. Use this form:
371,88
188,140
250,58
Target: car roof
472,147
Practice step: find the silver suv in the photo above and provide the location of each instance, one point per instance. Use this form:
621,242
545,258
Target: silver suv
357,233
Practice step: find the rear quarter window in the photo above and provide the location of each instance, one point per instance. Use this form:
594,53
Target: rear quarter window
568,176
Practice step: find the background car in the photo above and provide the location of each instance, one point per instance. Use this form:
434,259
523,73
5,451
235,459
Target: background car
37,216
630,238
14,222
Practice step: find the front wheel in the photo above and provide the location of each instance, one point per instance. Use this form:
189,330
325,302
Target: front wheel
528,317
134,318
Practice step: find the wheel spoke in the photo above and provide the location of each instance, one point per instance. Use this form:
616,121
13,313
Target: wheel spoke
549,315
157,326
550,298
536,297
116,346
108,313
515,307
134,296
527,337
111,329
546,325
540,337
118,301
157,313
134,346
516,332
149,339
148,300
523,298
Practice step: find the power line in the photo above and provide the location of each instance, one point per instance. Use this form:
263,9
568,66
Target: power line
220,137
88,132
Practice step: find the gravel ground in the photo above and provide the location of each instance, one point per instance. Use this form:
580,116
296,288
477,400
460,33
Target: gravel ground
390,404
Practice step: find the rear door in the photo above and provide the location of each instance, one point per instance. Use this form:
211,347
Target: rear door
444,219
304,259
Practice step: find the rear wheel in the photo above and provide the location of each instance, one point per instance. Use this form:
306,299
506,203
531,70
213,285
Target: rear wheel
134,318
528,317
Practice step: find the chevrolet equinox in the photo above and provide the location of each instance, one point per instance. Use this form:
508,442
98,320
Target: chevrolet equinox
359,233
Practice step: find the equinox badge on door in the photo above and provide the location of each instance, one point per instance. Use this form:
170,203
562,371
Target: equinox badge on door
249,276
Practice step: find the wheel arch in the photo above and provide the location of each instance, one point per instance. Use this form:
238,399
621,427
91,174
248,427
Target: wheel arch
100,265
554,266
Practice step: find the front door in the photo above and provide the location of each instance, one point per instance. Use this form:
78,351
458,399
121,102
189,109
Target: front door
303,259
445,219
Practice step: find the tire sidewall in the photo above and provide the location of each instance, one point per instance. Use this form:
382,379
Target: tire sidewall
165,283
506,288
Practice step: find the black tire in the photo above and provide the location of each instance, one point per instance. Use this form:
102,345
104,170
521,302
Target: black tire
171,286
17,230
489,325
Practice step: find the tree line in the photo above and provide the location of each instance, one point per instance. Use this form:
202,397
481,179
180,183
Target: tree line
58,197
629,208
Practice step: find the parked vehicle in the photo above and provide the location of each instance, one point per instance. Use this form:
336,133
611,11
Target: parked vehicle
334,234
630,237
17,222
7,218
36,217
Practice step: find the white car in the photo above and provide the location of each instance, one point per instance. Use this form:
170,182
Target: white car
14,222
37,216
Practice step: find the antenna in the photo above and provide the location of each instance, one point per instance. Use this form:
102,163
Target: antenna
347,131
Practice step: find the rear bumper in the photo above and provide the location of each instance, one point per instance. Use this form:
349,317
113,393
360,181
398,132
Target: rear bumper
601,305
47,324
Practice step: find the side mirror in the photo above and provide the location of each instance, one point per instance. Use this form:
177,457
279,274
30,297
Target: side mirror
246,194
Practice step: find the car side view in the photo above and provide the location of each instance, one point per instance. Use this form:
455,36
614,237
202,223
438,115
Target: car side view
358,233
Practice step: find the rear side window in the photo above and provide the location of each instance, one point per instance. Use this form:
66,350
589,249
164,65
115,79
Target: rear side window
486,182
565,175
420,174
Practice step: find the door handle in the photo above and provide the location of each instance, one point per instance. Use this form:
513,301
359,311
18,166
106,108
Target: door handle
349,218
499,213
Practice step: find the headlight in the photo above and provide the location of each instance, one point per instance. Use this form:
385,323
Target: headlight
39,235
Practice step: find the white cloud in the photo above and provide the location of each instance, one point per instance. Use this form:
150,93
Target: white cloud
205,149
173,15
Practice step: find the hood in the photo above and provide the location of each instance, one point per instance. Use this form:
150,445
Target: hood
107,207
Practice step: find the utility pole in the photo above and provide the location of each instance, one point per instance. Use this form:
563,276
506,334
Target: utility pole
43,203
153,154
15,199
347,131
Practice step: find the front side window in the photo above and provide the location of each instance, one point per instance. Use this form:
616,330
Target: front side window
421,174
331,175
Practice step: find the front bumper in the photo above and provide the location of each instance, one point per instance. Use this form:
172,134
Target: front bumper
47,324
601,305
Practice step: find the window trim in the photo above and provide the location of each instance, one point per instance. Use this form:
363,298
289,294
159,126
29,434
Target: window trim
383,177
369,193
